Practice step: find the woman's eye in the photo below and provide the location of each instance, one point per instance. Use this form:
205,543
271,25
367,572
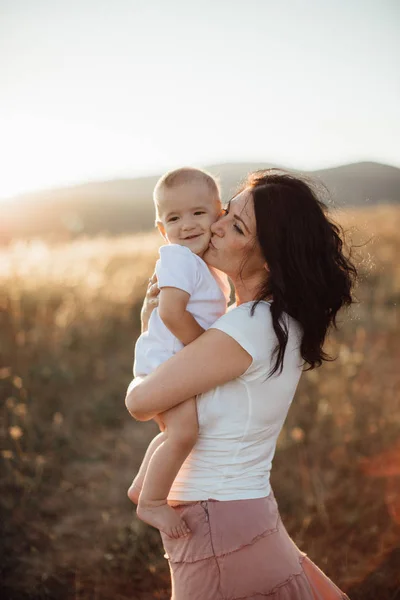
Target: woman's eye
238,228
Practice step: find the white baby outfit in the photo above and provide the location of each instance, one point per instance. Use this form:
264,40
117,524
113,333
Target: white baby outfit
209,290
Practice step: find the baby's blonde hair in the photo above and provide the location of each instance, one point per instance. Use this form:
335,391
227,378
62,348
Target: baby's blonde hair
181,176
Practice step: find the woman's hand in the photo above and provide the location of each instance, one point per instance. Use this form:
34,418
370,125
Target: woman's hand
150,302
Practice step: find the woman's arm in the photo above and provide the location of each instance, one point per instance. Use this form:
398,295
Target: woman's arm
213,359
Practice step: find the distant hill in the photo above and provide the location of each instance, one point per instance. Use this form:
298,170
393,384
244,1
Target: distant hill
125,205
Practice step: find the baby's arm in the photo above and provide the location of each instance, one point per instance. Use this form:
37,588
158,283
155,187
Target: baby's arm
175,316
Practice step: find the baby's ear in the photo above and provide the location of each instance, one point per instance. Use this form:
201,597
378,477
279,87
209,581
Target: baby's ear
161,229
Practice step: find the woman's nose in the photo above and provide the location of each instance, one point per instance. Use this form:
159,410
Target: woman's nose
217,227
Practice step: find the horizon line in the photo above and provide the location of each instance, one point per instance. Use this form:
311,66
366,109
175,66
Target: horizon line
148,173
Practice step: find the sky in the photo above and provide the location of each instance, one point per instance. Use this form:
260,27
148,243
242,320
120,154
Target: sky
94,89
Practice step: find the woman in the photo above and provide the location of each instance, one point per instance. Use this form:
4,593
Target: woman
284,258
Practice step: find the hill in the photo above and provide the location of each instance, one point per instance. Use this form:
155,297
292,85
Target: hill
125,205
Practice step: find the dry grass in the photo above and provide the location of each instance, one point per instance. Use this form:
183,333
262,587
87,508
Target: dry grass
69,319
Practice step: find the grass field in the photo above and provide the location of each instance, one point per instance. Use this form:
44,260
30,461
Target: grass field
69,320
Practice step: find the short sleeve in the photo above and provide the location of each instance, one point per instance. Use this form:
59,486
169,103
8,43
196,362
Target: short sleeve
234,323
253,332
177,267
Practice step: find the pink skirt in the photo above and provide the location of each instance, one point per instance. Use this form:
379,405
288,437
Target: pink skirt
240,550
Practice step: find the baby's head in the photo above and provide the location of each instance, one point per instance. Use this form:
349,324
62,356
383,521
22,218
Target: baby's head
187,203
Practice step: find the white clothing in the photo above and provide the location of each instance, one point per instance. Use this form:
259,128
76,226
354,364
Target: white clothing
239,422
209,291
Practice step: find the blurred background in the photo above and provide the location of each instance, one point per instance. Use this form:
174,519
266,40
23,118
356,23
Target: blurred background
97,100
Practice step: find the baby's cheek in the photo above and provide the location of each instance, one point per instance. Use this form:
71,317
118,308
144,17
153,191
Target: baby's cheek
211,221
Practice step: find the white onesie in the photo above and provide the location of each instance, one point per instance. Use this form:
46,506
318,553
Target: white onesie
209,291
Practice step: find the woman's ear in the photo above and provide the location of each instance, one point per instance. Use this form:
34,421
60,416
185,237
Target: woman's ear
161,229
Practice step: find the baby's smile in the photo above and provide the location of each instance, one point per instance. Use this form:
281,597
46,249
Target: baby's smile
192,237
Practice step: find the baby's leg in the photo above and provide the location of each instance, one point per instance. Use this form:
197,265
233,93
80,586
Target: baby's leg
137,483
182,429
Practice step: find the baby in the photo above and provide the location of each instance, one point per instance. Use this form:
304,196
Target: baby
192,297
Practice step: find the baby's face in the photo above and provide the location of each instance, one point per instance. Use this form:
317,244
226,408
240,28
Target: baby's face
186,213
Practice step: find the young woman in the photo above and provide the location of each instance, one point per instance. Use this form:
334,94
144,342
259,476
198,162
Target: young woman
284,257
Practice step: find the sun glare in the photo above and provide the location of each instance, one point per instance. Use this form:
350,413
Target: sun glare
40,153
32,157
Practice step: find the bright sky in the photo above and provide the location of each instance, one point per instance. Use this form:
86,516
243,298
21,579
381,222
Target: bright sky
93,89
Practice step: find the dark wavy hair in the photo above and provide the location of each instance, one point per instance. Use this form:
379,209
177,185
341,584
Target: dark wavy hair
309,276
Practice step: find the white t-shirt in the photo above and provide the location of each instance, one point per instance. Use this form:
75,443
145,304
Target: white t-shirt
209,291
239,422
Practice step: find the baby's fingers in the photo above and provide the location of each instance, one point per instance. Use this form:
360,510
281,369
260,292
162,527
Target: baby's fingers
153,279
153,290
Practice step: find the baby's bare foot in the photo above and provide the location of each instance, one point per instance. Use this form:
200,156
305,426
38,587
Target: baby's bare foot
164,518
134,492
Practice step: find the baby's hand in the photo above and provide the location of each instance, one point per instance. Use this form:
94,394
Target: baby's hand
150,301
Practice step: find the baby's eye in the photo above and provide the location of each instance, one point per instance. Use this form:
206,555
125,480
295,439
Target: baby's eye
172,219
200,212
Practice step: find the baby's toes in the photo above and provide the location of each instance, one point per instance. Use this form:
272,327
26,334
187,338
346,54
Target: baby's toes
184,530
179,531
170,531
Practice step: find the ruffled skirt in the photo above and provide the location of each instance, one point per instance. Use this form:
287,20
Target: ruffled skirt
240,550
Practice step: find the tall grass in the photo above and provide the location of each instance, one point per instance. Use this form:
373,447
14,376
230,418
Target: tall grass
69,320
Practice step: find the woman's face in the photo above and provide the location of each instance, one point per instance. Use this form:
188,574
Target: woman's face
234,248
